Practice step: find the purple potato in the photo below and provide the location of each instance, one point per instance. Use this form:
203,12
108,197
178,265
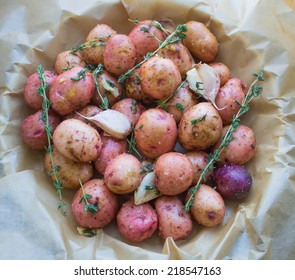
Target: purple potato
232,181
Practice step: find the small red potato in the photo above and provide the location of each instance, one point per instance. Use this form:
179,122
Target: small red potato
100,197
200,127
68,95
111,148
173,173
144,37
159,77
137,222
200,41
232,181
222,70
155,133
241,149
77,141
208,207
67,60
174,221
69,171
33,129
119,54
232,92
31,96
122,175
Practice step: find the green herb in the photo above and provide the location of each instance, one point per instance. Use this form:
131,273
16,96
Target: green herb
97,73
140,127
112,85
92,209
133,107
174,37
88,232
68,67
81,75
132,143
199,119
151,188
147,168
90,44
137,80
49,149
254,90
180,107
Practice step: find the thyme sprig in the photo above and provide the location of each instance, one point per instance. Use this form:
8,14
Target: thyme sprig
254,90
152,23
99,41
104,100
91,208
132,143
49,149
174,37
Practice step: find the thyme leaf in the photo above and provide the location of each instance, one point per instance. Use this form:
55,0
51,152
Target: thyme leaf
91,208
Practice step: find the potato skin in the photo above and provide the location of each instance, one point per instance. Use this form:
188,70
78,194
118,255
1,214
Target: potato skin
67,95
31,96
205,132
69,171
173,173
77,141
103,198
232,92
159,77
122,175
137,222
155,133
119,54
111,148
67,60
174,221
208,207
222,70
33,129
241,149
200,41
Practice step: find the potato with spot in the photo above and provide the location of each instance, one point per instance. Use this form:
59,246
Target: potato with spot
69,171
66,60
155,133
226,100
173,173
122,175
119,54
31,96
111,148
137,222
222,70
174,221
77,141
159,77
33,129
200,41
241,149
71,90
200,127
208,207
102,198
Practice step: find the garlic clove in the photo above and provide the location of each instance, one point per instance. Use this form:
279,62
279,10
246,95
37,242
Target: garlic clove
110,87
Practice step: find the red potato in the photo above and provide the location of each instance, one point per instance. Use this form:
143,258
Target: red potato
67,95
31,96
232,92
222,70
144,37
111,148
200,41
69,171
109,87
77,141
241,149
137,222
199,160
119,54
159,77
67,60
200,127
173,173
33,129
208,207
100,197
174,221
122,175
95,43
155,133
130,108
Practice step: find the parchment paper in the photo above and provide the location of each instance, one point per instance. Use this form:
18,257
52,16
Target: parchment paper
251,34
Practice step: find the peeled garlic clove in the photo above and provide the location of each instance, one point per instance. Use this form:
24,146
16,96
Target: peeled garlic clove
110,87
147,190
112,122
203,80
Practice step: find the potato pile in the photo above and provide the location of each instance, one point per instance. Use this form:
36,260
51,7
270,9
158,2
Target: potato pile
120,104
